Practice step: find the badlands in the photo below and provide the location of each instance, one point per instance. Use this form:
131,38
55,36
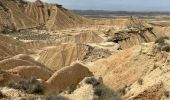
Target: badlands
50,53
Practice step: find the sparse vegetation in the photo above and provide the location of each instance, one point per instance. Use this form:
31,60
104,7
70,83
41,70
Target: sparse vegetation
49,12
7,30
161,40
166,48
140,81
55,97
31,86
33,37
75,47
92,81
166,94
122,91
98,92
23,2
30,35
4,7
2,95
72,88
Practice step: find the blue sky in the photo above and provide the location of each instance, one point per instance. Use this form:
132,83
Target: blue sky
116,5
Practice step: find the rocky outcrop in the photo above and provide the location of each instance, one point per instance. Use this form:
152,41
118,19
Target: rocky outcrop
39,44
128,38
135,33
62,18
14,13
23,61
66,77
12,63
63,55
154,92
19,15
87,37
23,57
27,72
10,47
22,67
140,68
7,77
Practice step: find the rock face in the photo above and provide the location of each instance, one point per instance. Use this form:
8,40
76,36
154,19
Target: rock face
22,67
4,16
7,77
27,72
128,38
58,57
12,63
141,69
19,14
19,60
10,47
67,76
14,14
155,92
136,32
23,57
84,91
87,37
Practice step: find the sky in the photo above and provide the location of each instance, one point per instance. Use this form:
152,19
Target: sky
115,5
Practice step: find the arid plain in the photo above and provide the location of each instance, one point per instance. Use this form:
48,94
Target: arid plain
48,52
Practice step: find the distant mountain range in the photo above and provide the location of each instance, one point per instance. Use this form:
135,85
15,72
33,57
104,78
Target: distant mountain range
105,12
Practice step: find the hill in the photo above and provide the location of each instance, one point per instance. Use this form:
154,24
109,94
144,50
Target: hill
19,15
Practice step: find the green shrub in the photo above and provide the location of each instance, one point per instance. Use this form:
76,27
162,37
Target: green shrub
3,6
31,86
122,91
140,81
72,88
166,48
161,40
92,81
7,30
2,95
34,37
55,97
49,12
166,94
98,92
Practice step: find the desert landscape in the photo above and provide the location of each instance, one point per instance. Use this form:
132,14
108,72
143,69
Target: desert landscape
48,52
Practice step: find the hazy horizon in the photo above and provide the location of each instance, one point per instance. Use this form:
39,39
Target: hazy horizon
115,5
